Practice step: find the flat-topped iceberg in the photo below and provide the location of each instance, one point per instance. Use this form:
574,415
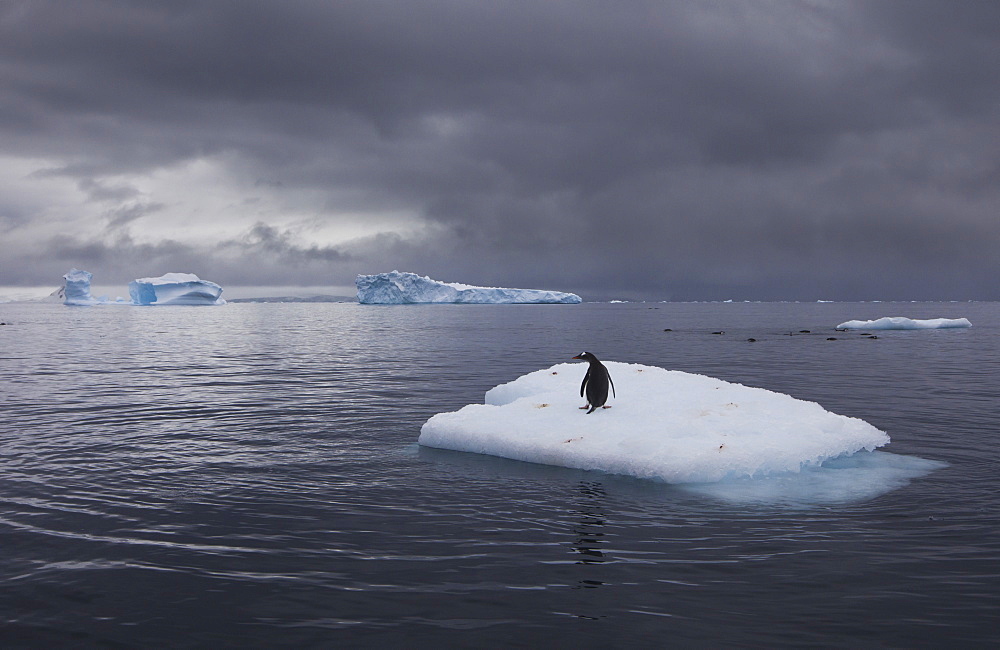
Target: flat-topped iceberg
667,425
175,289
902,323
399,288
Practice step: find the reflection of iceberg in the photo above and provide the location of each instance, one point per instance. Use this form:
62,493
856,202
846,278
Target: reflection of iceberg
667,425
398,288
169,289
175,289
902,323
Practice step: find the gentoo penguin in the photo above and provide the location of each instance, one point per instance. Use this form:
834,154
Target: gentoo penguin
595,383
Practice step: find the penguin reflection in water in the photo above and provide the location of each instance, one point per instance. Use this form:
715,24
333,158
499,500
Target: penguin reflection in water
595,383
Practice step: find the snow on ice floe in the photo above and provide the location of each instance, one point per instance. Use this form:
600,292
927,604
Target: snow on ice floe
175,289
397,288
666,425
902,323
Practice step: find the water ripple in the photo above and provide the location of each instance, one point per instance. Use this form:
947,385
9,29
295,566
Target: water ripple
248,476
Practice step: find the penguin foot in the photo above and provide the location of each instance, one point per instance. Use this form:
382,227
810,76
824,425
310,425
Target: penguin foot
583,408
605,407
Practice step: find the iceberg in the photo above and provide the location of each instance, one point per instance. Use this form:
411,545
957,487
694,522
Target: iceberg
169,289
902,323
76,290
175,289
665,425
399,288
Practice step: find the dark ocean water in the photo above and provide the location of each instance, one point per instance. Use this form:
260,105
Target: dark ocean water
248,476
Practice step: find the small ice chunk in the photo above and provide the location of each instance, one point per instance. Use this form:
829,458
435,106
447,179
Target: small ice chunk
903,323
667,425
175,289
397,288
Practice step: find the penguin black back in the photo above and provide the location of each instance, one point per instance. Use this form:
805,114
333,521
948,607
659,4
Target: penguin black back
595,382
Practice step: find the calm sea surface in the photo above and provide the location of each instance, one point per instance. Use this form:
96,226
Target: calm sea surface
248,476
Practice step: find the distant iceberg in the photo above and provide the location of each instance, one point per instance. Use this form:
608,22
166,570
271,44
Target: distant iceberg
175,289
76,290
169,289
902,323
666,425
399,288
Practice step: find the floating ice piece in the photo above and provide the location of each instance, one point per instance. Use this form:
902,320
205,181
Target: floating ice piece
667,425
175,289
76,290
399,288
169,289
902,323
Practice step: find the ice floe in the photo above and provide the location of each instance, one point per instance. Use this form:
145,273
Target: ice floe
903,323
666,425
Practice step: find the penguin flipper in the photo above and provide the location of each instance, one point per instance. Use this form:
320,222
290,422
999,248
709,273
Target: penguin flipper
612,385
586,378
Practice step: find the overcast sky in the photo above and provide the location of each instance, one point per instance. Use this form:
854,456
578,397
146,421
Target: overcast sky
744,149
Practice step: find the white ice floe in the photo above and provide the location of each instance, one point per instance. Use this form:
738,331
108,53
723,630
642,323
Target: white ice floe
902,323
397,288
175,289
667,425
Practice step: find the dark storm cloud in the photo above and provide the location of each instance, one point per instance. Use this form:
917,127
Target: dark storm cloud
264,240
672,149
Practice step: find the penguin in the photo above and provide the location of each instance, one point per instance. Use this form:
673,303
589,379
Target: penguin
595,383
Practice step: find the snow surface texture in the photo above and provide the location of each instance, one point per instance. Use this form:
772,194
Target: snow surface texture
76,291
902,323
175,289
667,425
399,288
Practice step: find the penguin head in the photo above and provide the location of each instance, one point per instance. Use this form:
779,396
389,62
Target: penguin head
586,356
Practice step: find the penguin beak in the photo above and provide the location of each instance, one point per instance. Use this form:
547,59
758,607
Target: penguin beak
578,357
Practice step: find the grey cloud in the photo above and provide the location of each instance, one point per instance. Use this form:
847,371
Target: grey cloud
98,191
263,239
129,212
690,149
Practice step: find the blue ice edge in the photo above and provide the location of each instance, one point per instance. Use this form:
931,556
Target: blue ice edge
861,476
852,478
